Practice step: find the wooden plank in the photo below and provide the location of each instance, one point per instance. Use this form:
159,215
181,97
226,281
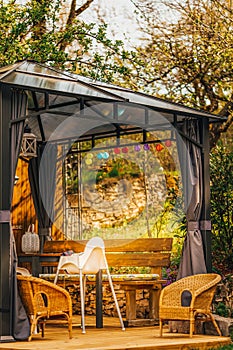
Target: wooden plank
23,212
62,246
113,245
124,260
139,245
112,337
138,259
128,259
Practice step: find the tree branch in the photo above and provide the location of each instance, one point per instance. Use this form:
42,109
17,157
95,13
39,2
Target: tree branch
83,7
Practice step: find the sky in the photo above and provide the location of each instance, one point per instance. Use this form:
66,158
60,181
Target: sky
120,17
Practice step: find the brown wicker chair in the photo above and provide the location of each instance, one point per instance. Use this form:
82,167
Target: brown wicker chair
43,300
200,290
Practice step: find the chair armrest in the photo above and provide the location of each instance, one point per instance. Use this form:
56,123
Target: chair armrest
58,297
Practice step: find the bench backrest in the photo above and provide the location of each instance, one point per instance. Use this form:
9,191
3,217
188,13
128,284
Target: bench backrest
141,252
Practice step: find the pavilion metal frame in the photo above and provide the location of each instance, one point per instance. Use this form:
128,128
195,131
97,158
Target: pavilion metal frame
39,80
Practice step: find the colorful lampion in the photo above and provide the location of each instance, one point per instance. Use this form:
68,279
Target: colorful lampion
88,161
105,155
146,147
125,150
159,147
89,155
99,156
117,150
137,148
168,143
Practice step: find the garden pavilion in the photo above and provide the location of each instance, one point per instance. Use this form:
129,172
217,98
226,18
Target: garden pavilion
61,108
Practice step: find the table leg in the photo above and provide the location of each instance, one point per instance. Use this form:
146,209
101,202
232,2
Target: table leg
99,300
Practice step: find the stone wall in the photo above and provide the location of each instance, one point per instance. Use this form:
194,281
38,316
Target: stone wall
112,203
109,309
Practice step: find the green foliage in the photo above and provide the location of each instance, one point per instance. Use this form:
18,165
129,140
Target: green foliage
50,32
223,347
223,303
222,310
221,172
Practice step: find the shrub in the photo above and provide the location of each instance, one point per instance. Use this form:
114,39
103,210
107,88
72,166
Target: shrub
221,170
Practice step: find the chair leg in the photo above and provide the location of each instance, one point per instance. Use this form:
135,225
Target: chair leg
70,327
82,300
160,327
42,327
215,325
56,276
84,288
32,328
115,299
192,322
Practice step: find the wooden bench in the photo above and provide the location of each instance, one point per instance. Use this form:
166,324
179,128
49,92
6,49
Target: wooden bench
153,253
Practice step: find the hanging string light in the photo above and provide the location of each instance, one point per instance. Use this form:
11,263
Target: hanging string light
125,149
159,147
88,159
117,150
168,143
137,148
146,147
103,155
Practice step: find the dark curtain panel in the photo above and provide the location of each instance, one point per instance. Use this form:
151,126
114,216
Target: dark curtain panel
42,177
20,322
192,260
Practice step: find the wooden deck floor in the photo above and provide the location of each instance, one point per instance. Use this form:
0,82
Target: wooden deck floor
113,338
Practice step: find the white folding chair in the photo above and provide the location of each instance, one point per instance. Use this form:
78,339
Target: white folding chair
90,261
22,271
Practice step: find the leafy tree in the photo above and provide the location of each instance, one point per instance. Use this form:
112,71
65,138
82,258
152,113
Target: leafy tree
188,55
51,32
222,205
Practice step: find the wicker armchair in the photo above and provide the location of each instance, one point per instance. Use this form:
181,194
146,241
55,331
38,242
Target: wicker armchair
200,290
43,300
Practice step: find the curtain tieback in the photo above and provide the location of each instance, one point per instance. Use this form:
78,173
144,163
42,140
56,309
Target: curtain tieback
193,225
202,225
205,225
5,216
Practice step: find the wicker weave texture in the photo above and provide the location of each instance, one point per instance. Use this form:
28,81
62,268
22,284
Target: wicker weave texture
42,300
201,288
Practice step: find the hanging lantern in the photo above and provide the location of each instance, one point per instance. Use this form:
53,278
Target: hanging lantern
159,147
137,148
30,241
28,147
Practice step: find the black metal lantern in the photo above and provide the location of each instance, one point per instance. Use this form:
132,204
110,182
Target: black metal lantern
28,148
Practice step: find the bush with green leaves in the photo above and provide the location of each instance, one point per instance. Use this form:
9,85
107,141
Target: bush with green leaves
221,173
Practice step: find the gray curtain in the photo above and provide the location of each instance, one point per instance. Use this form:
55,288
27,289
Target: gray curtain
192,260
20,322
42,177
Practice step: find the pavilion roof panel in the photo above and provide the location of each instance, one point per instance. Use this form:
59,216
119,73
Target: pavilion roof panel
39,77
